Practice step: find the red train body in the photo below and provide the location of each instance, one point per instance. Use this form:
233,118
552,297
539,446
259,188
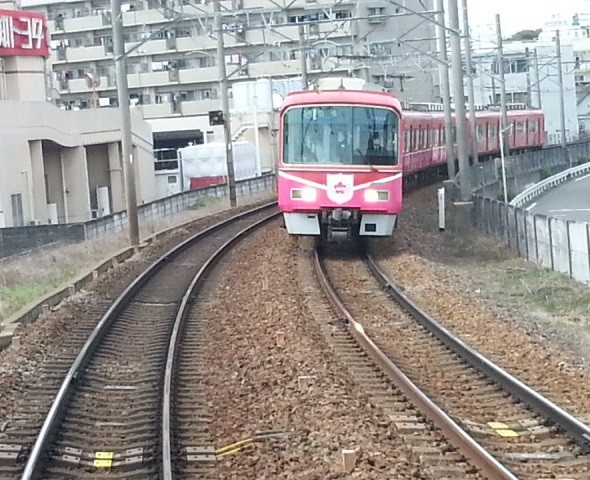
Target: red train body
423,142
343,154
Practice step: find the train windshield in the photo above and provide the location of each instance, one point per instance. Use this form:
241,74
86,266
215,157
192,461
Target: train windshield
340,135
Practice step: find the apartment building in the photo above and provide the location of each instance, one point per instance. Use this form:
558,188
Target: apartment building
172,54
58,166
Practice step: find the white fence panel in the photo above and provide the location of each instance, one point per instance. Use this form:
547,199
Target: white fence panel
579,251
560,245
543,235
521,233
531,240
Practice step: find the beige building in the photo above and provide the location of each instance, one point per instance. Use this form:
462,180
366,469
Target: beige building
60,165
172,60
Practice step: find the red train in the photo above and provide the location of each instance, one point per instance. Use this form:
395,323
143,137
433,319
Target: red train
344,152
423,145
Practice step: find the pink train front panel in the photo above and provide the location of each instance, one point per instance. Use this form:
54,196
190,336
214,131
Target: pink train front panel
311,191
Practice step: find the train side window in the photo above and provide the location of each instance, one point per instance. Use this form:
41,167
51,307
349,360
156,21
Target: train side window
533,126
492,130
416,140
408,140
480,132
443,135
520,127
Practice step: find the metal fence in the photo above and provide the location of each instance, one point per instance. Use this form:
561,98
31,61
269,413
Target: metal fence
557,244
17,240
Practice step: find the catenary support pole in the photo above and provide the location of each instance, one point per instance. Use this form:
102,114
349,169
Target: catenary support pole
445,89
470,92
303,57
561,93
529,100
126,142
459,101
223,83
504,130
538,80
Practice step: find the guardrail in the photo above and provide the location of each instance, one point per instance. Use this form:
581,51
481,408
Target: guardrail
535,190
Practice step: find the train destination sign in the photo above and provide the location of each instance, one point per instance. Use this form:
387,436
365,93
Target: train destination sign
23,33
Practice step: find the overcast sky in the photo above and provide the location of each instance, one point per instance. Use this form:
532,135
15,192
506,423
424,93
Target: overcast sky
518,15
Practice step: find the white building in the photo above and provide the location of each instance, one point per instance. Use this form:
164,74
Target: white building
531,76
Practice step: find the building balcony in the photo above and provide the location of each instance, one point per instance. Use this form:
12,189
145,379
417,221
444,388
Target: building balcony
184,108
280,68
202,42
79,54
78,24
144,17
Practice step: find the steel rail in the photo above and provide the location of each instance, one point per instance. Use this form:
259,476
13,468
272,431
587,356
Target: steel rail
172,355
523,392
487,464
34,465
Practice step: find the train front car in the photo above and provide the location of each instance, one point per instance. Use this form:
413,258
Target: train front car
338,170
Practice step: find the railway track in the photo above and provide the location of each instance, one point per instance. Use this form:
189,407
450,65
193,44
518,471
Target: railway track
492,421
113,416
117,429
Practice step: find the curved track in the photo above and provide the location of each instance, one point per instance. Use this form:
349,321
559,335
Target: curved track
112,416
489,414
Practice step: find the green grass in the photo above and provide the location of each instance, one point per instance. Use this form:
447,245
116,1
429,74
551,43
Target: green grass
200,203
543,290
14,297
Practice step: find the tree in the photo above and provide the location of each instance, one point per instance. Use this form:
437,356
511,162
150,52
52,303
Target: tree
525,35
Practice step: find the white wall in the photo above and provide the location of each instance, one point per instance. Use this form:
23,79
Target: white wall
25,126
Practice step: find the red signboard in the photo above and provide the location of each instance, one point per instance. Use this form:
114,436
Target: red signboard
23,33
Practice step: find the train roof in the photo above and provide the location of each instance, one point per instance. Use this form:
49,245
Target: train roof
478,113
341,96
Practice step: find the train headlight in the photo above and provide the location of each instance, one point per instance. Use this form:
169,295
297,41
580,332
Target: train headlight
376,195
307,194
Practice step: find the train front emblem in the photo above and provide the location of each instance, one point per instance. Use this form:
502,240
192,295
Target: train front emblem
340,187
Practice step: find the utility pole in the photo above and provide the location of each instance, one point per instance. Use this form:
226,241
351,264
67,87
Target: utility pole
223,83
470,92
303,57
561,96
126,142
504,131
459,96
445,88
538,79
529,102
